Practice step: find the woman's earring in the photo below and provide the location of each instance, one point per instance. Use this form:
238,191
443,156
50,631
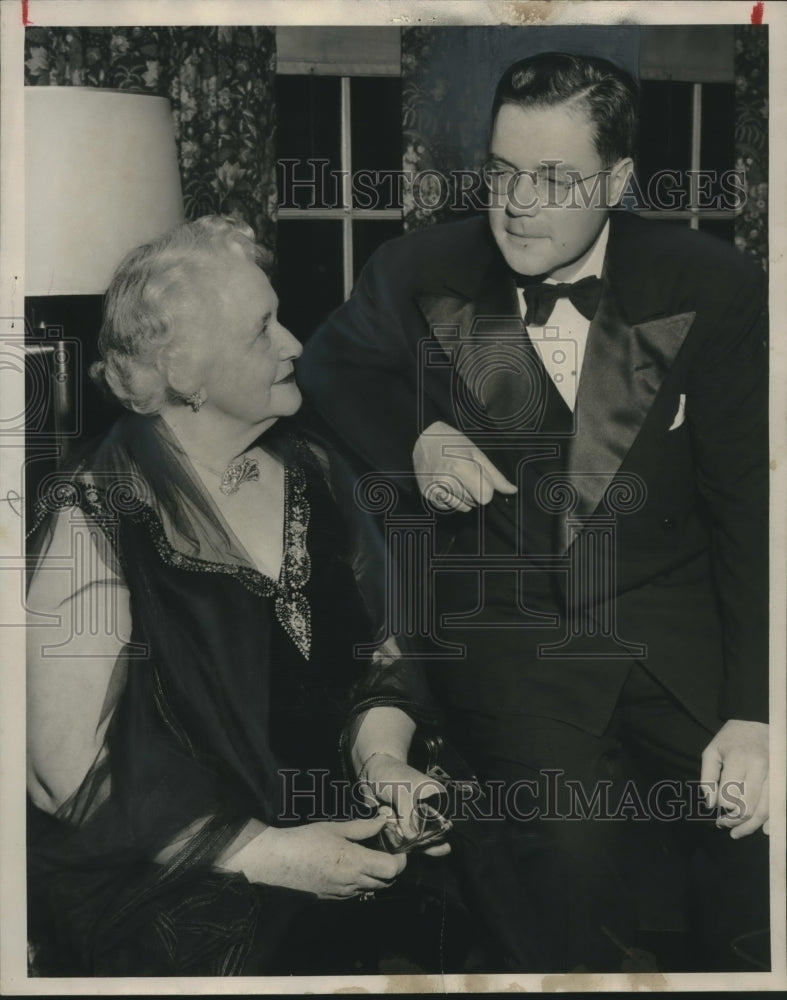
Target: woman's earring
195,400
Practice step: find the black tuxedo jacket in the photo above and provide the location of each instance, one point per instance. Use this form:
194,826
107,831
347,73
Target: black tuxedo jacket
672,396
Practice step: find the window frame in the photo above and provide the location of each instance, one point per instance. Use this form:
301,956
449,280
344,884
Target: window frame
345,212
306,52
693,213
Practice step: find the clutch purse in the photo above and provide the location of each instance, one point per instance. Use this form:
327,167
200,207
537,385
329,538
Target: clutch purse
435,814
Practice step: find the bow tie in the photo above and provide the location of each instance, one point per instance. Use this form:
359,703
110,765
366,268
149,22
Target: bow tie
540,298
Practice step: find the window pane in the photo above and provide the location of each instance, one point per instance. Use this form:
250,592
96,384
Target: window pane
368,235
717,149
376,140
664,142
308,127
724,228
685,221
718,126
309,281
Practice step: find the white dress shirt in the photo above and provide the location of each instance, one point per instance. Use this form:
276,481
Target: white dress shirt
561,343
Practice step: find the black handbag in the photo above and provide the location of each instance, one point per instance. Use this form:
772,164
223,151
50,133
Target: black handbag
455,789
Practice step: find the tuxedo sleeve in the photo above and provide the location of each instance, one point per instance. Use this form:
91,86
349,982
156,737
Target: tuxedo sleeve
360,369
727,408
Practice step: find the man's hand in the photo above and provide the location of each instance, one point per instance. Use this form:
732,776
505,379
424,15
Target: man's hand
735,764
452,473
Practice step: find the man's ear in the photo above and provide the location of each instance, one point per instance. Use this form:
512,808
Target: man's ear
619,176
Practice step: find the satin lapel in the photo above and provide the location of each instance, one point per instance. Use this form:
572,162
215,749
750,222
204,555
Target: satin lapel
450,318
623,369
467,324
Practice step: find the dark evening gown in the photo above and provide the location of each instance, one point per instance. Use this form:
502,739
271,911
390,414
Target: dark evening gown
231,694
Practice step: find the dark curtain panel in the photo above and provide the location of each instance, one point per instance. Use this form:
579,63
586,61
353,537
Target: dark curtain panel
448,82
751,137
220,81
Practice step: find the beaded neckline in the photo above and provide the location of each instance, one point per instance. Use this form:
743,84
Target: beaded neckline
291,606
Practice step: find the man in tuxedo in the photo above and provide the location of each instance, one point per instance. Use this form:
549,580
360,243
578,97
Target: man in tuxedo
581,396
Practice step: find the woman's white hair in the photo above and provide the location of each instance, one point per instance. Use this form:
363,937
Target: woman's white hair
146,358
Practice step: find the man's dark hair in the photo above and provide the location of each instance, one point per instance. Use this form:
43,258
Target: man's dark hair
607,93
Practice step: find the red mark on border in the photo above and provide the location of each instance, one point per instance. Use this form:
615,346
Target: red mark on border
25,13
757,12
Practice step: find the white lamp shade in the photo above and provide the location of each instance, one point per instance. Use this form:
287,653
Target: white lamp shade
101,177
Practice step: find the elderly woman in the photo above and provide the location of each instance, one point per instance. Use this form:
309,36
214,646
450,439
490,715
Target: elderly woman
187,674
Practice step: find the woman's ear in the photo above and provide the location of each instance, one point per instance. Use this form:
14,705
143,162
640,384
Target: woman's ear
182,366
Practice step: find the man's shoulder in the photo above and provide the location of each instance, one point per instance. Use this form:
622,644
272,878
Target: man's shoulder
435,247
675,247
656,267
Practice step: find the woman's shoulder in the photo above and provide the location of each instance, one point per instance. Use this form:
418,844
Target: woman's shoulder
103,476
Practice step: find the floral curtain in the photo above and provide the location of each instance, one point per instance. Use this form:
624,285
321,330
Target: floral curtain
220,82
430,143
751,137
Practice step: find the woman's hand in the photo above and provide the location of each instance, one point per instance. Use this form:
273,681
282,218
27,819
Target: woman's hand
386,779
322,858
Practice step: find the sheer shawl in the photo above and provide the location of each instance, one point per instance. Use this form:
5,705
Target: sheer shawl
227,676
